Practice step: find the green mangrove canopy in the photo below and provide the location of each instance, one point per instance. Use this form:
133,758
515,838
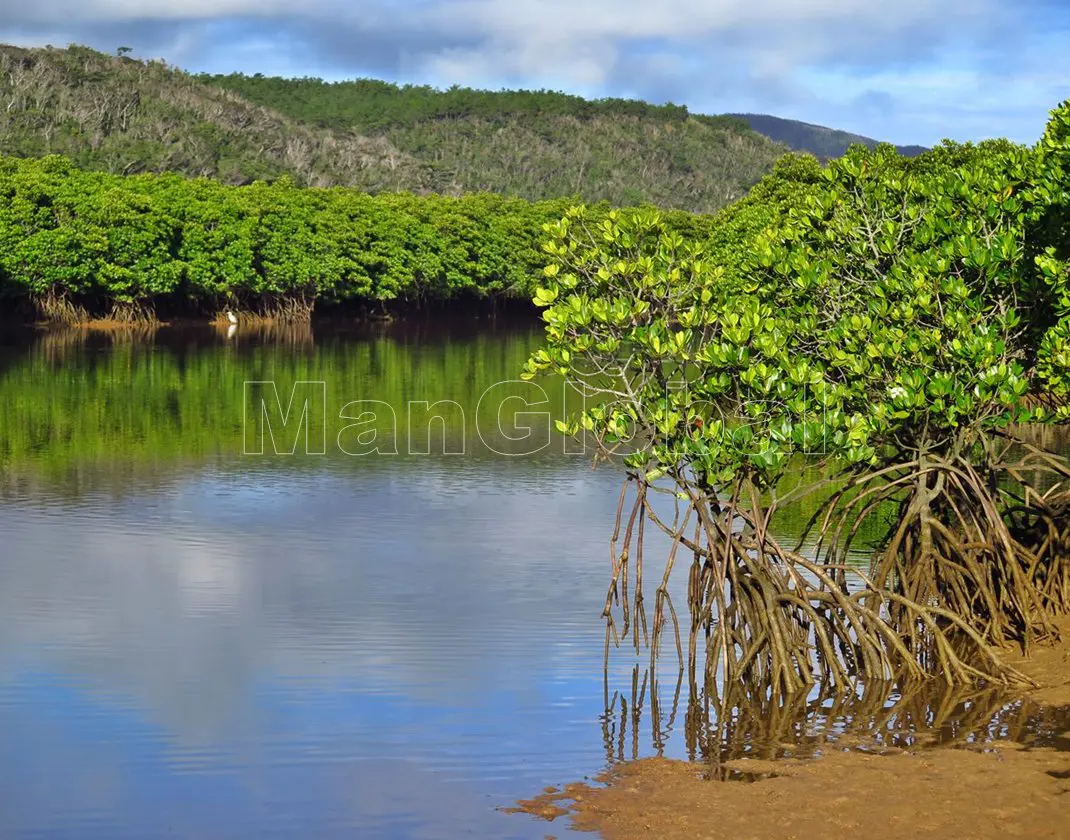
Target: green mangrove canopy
900,318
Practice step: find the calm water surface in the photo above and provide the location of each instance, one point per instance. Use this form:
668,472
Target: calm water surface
200,643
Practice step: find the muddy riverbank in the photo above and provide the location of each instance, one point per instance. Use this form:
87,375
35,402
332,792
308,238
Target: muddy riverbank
999,788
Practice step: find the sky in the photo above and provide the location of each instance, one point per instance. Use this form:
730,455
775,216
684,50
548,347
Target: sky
906,71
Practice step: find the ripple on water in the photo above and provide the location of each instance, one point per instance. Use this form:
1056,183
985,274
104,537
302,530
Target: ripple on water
200,644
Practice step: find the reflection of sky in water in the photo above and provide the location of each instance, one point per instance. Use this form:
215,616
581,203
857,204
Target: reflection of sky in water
294,647
388,651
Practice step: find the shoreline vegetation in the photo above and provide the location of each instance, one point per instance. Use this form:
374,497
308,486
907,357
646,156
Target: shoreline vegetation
462,309
81,247
901,319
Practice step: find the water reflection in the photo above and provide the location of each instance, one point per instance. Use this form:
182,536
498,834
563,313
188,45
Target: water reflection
196,643
640,720
399,652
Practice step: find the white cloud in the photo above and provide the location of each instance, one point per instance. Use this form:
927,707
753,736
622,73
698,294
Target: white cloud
51,12
953,66
586,42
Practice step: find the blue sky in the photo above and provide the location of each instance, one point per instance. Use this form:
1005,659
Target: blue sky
908,71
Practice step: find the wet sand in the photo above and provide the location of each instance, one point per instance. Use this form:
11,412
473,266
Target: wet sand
1006,789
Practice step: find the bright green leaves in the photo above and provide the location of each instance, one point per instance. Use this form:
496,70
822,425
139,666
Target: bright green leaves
545,297
68,233
1048,201
877,304
917,300
1054,364
691,372
103,239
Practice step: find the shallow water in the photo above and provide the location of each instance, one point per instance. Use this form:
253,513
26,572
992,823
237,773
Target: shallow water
198,642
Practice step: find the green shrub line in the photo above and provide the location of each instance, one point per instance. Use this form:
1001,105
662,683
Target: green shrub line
77,244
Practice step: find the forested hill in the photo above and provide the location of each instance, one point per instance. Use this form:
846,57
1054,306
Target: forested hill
123,115
373,106
370,104
536,144
126,116
816,139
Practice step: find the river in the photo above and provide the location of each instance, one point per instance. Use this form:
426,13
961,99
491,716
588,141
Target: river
197,640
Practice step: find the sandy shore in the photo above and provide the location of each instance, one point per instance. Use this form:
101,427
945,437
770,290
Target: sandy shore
1008,789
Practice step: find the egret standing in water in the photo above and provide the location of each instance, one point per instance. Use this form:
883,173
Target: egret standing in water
232,317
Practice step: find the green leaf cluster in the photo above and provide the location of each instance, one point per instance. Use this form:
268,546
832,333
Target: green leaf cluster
102,239
879,304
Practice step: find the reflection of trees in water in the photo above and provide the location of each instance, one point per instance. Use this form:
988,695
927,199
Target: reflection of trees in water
84,406
882,716
57,345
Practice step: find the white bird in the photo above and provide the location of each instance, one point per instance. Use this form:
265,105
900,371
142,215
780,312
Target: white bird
232,317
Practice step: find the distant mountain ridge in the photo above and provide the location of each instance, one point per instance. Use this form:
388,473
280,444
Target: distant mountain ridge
819,140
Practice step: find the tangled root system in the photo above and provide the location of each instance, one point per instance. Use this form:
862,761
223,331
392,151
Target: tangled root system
954,580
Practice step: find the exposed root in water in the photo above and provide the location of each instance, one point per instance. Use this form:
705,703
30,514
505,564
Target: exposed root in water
888,715
57,308
1039,524
291,308
721,726
970,546
132,312
772,622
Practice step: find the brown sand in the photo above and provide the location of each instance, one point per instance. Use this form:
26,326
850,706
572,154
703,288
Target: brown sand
1050,667
1007,790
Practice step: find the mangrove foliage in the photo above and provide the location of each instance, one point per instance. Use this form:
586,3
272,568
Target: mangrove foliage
76,244
902,321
